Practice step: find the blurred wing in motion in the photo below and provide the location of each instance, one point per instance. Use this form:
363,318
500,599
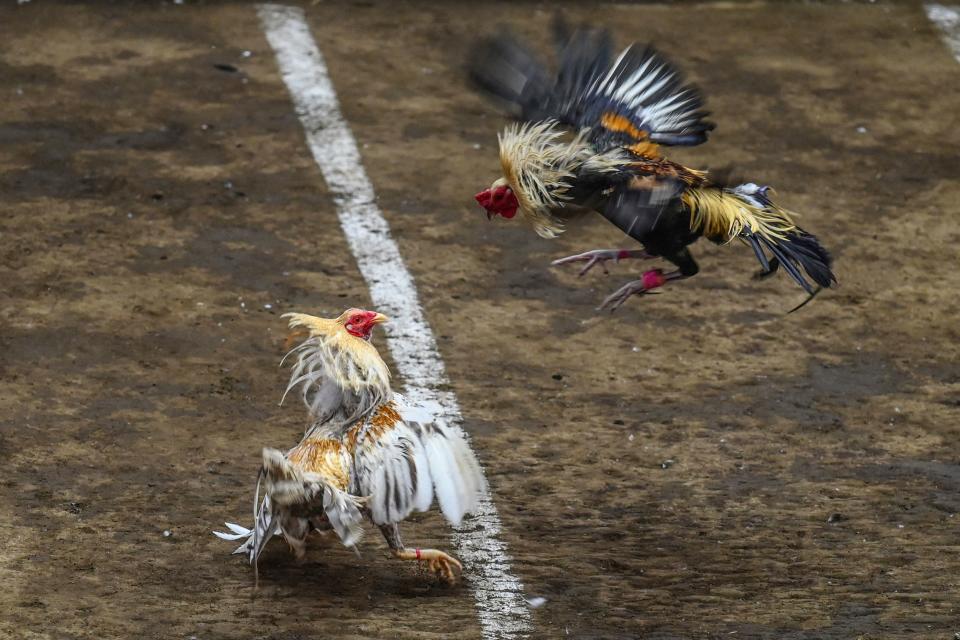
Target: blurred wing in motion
638,101
405,458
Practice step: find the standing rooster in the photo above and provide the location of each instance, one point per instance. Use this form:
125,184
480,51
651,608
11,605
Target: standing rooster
619,114
368,452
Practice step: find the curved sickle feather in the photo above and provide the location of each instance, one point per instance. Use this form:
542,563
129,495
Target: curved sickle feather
809,298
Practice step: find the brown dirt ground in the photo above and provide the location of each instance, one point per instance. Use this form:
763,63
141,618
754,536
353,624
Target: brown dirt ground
153,205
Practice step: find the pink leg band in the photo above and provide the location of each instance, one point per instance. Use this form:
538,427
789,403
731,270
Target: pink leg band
653,279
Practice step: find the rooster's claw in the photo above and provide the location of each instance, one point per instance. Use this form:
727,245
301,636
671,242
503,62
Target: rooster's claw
592,258
616,299
646,284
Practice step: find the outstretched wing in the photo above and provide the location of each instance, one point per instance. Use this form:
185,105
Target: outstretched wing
637,101
404,458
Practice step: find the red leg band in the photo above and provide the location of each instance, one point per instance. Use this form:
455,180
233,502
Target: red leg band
653,279
418,554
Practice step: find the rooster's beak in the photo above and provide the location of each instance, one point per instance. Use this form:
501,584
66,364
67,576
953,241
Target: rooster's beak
489,214
379,319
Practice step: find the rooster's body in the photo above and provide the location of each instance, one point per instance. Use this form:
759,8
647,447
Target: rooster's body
590,138
368,454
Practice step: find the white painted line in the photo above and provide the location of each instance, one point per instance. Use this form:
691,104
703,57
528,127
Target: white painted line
501,608
948,19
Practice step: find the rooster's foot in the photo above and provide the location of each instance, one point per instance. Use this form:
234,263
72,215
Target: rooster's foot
601,256
439,562
647,283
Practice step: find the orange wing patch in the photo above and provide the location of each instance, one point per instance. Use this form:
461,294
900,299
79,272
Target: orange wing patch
322,456
644,149
325,456
618,123
621,124
384,420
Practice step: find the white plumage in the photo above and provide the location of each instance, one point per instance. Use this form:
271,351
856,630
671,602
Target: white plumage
380,458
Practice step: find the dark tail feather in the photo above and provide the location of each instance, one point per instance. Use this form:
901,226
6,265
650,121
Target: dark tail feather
503,67
809,298
798,250
805,249
768,269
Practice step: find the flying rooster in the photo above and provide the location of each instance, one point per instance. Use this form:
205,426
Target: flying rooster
368,454
590,138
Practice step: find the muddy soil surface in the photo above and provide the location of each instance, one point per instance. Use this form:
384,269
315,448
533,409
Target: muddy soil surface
699,465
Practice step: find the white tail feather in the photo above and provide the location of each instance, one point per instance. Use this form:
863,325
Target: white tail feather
456,475
238,532
237,528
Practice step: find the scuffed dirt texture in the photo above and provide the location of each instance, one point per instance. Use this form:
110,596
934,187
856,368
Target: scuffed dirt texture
698,465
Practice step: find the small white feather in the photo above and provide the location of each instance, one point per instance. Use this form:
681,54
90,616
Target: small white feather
237,528
230,536
446,480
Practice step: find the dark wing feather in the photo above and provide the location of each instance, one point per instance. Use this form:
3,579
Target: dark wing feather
646,89
511,73
641,92
637,211
584,60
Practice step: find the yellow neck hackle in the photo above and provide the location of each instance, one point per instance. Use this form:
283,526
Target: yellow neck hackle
351,361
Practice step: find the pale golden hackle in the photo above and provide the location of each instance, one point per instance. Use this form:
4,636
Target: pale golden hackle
353,362
539,167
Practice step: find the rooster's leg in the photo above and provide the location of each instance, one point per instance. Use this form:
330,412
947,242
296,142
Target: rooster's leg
295,531
441,563
653,279
600,256
648,282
